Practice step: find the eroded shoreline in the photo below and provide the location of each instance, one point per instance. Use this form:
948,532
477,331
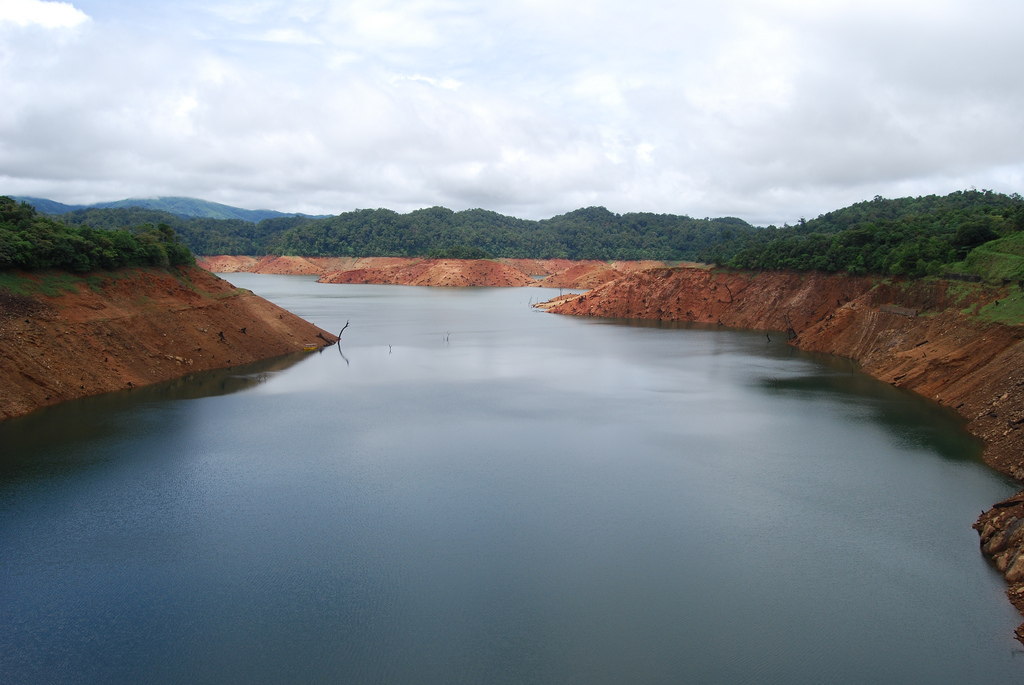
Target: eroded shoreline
501,273
68,337
914,335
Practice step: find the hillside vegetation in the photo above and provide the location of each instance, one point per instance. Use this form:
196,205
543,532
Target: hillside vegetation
185,207
971,232
31,241
909,236
590,233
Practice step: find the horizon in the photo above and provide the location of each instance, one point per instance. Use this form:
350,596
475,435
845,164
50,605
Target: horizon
469,209
767,110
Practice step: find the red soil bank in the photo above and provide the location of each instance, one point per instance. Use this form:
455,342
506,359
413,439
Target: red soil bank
437,272
558,273
132,328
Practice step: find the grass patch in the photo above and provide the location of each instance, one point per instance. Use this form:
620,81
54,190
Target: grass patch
1009,311
18,285
51,284
96,284
997,260
960,292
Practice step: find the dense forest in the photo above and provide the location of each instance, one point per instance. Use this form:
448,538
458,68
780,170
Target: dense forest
181,206
914,236
907,236
31,241
591,233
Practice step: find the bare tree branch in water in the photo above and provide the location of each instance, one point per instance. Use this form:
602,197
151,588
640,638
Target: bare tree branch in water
343,330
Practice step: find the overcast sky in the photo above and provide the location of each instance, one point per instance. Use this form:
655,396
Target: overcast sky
769,110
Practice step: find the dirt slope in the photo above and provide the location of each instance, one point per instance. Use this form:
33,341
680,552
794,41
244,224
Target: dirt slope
915,336
557,273
437,272
538,267
295,266
114,330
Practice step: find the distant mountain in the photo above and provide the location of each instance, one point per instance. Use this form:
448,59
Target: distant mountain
48,206
185,207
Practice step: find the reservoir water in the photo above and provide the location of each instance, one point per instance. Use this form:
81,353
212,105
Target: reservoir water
472,491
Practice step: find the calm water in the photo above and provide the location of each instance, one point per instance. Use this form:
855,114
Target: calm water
477,492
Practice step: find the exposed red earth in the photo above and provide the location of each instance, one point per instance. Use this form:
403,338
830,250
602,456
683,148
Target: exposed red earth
436,272
913,335
553,273
117,330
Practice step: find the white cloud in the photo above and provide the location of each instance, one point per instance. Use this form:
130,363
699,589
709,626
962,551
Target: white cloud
290,36
51,15
446,83
767,109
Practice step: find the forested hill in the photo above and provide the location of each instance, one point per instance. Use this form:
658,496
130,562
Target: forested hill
591,233
185,207
31,241
906,236
913,236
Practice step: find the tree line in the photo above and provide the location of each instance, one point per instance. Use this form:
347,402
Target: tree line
913,236
917,237
590,233
31,241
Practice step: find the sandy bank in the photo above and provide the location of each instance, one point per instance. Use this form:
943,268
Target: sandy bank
913,335
63,337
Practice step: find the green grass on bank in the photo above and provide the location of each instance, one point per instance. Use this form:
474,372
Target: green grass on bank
1008,310
54,283
50,284
998,260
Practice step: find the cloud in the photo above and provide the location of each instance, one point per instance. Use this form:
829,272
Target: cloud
446,83
50,15
769,110
290,36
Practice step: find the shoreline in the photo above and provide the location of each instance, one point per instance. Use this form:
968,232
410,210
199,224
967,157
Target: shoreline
64,336
424,271
915,336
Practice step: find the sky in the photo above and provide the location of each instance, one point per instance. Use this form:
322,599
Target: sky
769,110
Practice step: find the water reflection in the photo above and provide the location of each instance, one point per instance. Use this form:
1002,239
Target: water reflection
90,420
910,418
